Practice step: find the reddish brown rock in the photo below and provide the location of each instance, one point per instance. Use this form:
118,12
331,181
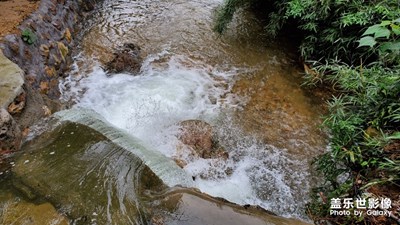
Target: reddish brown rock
127,59
18,104
198,136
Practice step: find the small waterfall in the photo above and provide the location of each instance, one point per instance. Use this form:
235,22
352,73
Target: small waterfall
162,166
241,84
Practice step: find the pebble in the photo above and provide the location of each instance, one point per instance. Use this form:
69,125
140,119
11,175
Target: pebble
52,153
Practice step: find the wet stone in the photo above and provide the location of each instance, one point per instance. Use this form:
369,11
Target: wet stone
74,164
126,59
198,136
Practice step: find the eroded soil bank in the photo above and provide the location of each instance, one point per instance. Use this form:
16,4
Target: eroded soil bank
12,13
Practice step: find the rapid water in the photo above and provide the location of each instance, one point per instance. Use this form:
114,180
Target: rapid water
241,83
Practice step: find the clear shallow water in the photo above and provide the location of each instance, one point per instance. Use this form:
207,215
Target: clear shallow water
240,83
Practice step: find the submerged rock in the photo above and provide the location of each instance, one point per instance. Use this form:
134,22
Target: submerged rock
127,59
85,175
198,135
163,167
27,213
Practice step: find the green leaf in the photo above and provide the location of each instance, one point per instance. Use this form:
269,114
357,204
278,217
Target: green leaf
382,32
395,29
394,136
371,29
367,41
25,33
396,21
378,31
385,23
391,46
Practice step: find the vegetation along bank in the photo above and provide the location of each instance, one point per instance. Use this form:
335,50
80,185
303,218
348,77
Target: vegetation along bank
352,47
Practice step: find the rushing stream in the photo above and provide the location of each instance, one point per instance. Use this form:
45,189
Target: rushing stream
240,83
244,85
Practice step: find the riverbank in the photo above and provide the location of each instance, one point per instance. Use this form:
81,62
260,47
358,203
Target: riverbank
38,37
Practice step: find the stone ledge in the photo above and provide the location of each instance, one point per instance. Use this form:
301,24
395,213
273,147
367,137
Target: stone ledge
11,81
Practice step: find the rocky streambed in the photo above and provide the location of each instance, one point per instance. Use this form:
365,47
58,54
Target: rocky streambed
181,127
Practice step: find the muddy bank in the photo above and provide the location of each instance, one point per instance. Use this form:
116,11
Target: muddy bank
13,12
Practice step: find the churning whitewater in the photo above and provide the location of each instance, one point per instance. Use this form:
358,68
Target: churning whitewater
191,73
149,107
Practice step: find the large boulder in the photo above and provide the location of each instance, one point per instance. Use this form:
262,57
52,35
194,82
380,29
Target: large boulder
127,59
11,81
198,136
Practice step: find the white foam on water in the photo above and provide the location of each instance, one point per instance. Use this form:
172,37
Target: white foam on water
150,104
171,89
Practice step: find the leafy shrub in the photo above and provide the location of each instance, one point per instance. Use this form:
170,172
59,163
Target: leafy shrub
359,40
383,39
331,28
28,36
